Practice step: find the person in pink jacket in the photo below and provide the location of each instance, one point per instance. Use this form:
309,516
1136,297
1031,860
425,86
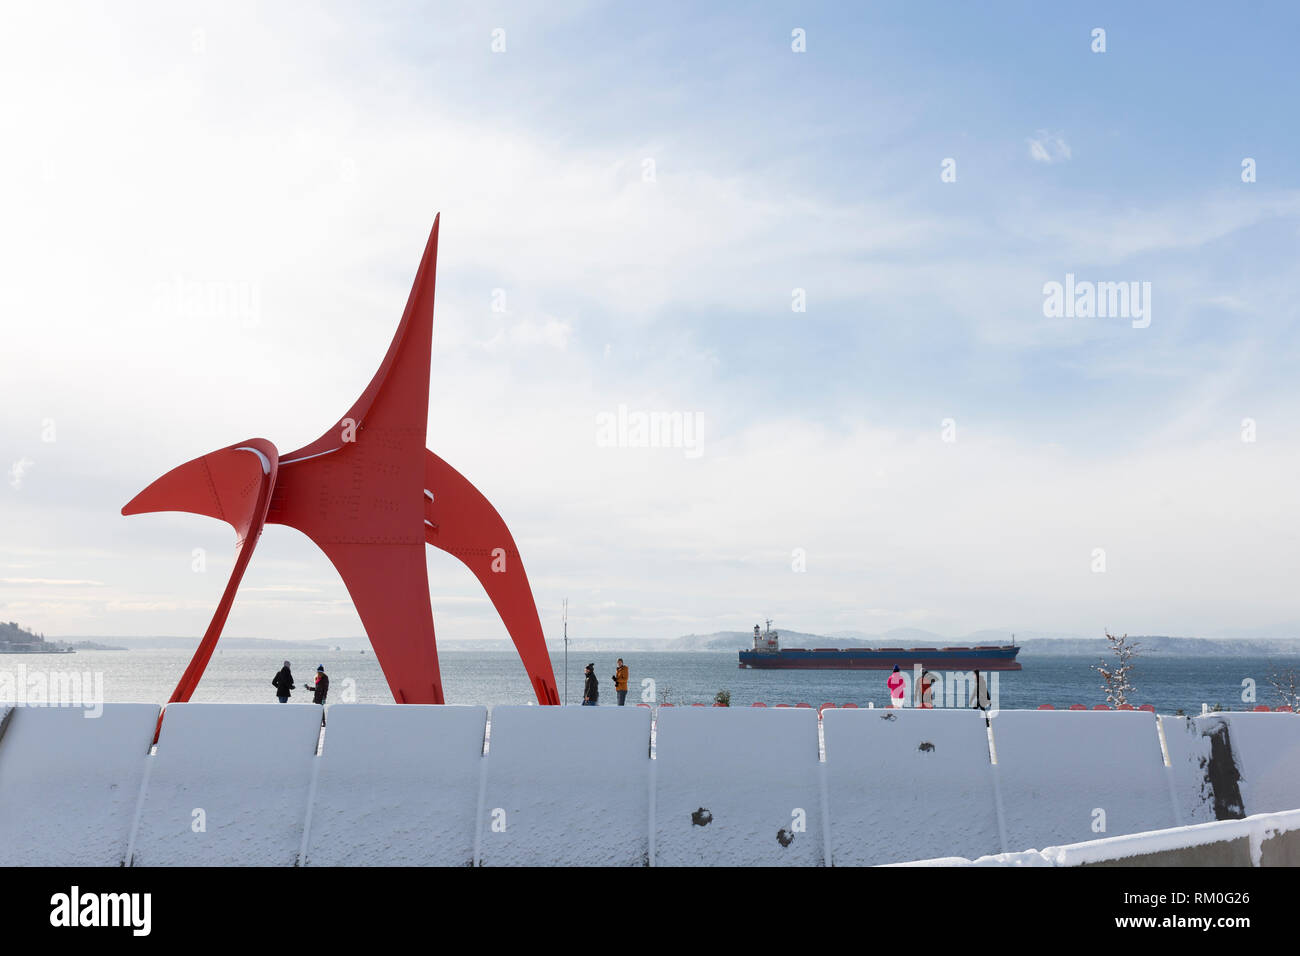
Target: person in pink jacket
895,684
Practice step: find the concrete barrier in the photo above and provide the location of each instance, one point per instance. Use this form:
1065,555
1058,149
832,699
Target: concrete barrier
1189,772
908,784
568,786
228,786
1229,765
738,787
242,785
1266,751
70,783
396,786
1063,775
1267,839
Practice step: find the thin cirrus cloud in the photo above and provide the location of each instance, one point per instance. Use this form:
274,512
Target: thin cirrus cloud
1045,147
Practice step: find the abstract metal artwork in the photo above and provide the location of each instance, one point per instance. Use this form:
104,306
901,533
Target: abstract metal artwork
371,496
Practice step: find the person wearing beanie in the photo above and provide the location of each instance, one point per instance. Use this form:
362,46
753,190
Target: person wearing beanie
895,684
283,683
321,687
591,688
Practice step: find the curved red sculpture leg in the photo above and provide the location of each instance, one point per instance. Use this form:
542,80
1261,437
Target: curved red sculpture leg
462,522
233,484
358,492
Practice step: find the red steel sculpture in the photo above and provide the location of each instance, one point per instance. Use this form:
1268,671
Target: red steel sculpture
370,495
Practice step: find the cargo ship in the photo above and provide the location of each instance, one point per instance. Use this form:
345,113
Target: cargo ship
768,654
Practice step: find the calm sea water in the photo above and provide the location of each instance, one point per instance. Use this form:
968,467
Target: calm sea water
497,677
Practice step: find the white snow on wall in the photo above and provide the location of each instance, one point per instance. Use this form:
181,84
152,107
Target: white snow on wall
747,772
397,786
1256,829
1266,750
1189,755
567,786
69,783
247,767
1057,768
908,784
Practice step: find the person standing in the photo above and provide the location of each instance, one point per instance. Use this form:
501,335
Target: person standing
590,688
283,683
895,685
620,682
321,687
927,690
980,697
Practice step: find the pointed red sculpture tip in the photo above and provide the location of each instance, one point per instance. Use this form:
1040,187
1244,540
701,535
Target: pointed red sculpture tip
221,484
369,494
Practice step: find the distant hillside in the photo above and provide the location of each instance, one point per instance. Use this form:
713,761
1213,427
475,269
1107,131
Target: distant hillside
189,642
897,637
1032,643
1159,646
18,640
15,639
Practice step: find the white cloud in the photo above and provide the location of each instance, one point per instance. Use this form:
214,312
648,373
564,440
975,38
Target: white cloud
18,470
1045,147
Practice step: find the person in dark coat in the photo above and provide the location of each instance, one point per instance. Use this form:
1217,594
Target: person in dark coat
591,689
321,688
980,695
283,683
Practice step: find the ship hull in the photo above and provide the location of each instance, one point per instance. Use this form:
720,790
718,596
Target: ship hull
957,659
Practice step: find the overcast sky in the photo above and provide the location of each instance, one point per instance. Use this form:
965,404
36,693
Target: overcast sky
210,216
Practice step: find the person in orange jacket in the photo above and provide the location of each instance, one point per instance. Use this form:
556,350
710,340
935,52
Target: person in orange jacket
620,682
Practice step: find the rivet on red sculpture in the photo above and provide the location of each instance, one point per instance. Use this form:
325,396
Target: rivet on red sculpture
370,495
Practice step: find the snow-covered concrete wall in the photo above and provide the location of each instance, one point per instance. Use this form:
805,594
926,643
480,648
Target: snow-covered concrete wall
397,786
1266,750
736,786
242,784
70,783
1064,775
1189,759
228,785
1233,764
908,784
567,786
1267,839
